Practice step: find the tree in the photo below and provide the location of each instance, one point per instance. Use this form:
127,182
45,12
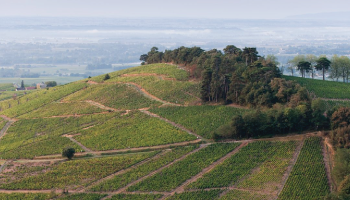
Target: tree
312,60
232,50
323,64
335,67
106,77
272,59
51,83
68,152
304,67
294,62
22,84
144,57
250,55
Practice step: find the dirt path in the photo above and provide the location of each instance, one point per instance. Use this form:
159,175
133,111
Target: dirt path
94,103
182,187
327,163
123,171
290,167
123,189
2,167
165,146
70,137
326,99
7,125
174,124
161,76
237,106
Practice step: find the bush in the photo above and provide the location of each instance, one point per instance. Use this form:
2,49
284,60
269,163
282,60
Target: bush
344,187
68,152
106,77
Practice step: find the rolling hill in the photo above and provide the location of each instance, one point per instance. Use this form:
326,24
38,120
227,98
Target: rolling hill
143,133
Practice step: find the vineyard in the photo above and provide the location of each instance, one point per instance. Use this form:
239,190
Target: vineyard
4,95
200,119
169,71
324,89
28,138
308,179
179,92
178,173
132,142
62,109
120,181
135,129
80,173
37,99
117,96
271,158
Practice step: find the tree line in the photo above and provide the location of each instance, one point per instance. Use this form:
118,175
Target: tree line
338,66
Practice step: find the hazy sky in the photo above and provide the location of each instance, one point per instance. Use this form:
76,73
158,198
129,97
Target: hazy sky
236,9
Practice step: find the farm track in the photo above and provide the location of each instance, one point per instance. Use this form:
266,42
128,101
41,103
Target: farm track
182,187
123,189
326,99
174,124
290,167
70,137
327,163
123,171
7,125
141,90
2,167
126,150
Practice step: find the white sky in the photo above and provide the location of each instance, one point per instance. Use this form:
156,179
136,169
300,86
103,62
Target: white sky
233,9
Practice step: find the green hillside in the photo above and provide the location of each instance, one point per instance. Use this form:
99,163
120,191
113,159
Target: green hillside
147,133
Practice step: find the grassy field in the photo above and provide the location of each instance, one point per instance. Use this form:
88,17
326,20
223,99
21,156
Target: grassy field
201,119
135,129
4,95
119,96
203,195
324,89
308,178
7,86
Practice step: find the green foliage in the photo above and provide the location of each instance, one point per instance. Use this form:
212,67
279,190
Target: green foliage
203,120
344,186
37,99
341,164
146,168
323,89
51,83
5,95
308,178
106,77
77,173
271,157
135,129
340,118
7,86
176,174
61,109
84,196
136,197
117,96
2,123
202,195
68,152
244,195
340,137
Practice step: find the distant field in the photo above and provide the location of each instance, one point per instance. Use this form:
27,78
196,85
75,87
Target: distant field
200,119
6,86
29,81
324,89
4,95
135,129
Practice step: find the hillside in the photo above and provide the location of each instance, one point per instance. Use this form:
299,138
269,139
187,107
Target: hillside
144,133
